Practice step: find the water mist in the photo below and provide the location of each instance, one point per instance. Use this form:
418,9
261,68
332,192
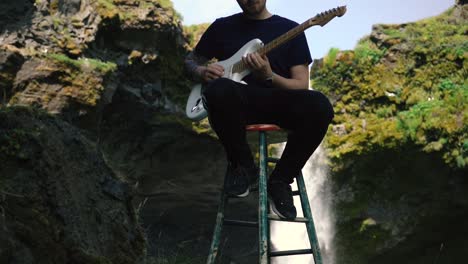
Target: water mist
288,236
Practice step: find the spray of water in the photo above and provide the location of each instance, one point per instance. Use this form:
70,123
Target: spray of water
288,236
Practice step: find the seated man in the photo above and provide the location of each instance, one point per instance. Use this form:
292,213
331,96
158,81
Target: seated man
276,93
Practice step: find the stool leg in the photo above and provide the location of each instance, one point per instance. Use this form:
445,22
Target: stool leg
310,224
263,234
218,229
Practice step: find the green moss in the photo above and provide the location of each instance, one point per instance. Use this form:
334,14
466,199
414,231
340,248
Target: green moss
109,4
366,224
417,95
367,51
107,8
393,33
194,32
81,80
94,64
53,6
166,3
330,58
56,21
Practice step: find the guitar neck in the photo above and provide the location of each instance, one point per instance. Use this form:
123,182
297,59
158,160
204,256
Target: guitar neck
285,37
240,66
320,19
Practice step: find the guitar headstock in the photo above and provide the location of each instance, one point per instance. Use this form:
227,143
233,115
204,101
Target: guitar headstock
323,18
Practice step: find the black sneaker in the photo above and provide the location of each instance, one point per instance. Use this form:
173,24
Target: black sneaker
281,199
239,179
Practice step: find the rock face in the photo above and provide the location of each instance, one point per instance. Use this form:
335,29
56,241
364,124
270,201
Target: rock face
60,203
70,56
398,146
113,70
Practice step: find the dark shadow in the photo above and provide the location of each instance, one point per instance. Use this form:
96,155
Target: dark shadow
15,14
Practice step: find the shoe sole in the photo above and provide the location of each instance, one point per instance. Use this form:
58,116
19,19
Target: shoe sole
273,208
252,188
242,195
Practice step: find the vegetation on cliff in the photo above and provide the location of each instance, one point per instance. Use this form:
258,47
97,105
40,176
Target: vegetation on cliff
194,33
398,146
402,84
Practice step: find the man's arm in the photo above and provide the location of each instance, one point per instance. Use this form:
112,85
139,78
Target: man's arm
299,78
194,64
262,71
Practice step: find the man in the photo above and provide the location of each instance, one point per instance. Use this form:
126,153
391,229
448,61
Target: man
276,92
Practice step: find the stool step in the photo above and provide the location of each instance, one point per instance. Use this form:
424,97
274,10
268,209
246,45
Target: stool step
241,223
296,220
290,252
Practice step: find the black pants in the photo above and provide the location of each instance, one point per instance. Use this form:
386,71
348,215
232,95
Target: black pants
305,113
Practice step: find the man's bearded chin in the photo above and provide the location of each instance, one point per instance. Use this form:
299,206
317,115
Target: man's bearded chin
250,11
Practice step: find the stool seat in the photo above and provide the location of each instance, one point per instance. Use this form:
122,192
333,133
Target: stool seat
262,127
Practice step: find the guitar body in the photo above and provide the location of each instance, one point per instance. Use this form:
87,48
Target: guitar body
195,109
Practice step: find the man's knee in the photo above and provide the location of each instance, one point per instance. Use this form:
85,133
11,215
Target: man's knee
217,89
319,107
327,109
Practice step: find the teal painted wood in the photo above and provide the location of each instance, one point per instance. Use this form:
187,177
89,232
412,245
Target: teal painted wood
263,230
218,229
263,221
310,224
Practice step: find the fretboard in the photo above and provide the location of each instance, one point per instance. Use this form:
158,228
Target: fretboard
240,66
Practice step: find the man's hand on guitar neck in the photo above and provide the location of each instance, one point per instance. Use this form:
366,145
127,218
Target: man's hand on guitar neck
261,69
260,66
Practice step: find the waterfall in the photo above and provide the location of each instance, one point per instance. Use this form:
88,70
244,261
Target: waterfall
288,236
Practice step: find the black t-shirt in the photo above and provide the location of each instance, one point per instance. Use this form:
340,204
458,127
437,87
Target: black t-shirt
225,36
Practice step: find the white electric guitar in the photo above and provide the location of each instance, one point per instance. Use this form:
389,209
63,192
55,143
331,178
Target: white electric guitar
236,70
